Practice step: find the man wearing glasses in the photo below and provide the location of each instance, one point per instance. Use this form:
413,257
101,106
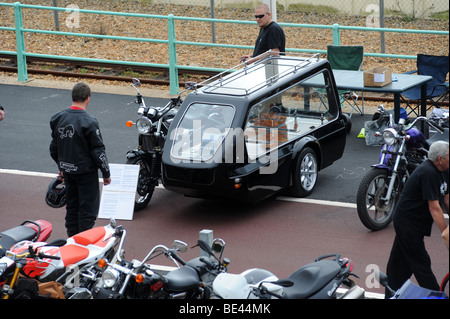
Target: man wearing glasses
271,36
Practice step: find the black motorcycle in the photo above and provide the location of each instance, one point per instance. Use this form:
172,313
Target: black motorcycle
152,125
122,279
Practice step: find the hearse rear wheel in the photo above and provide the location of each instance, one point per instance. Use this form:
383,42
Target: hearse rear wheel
305,173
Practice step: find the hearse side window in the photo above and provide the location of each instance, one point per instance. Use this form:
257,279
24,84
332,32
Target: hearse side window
201,131
289,114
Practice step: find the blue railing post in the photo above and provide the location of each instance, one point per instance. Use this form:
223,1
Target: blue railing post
336,34
173,67
20,44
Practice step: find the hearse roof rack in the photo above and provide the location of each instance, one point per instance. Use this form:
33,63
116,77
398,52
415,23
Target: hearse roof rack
247,78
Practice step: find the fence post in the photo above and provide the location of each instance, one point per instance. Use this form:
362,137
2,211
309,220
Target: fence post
173,68
20,44
336,34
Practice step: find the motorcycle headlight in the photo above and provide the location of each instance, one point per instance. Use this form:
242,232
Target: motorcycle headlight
143,125
389,136
110,277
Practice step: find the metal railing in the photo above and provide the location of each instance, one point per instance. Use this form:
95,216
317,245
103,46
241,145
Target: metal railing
171,41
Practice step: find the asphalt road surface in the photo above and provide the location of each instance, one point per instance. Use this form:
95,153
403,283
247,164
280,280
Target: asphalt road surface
279,234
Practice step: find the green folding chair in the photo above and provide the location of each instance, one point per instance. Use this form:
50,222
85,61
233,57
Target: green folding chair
347,57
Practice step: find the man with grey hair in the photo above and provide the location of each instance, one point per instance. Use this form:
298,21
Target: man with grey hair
419,205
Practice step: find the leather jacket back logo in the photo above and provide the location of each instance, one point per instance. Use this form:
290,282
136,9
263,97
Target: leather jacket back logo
66,131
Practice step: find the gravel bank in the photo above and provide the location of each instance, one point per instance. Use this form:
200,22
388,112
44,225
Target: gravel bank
396,43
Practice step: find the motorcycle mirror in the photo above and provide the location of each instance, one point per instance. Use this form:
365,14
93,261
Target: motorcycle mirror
382,278
112,223
136,82
205,247
180,246
218,245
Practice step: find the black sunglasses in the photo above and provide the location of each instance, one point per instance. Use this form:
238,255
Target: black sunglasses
260,16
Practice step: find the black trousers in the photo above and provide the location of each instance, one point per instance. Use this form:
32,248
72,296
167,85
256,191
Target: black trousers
410,257
83,200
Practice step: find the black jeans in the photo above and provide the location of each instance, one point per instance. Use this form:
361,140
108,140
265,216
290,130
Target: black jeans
408,257
83,200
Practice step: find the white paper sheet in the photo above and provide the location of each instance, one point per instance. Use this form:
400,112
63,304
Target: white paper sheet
378,77
117,199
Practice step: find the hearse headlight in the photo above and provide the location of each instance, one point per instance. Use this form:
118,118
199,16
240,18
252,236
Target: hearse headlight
389,136
143,125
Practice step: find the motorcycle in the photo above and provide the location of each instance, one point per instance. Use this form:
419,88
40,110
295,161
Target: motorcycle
152,125
318,280
408,290
440,117
62,269
404,148
137,280
39,230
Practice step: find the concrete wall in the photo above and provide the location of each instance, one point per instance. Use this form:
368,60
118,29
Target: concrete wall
416,8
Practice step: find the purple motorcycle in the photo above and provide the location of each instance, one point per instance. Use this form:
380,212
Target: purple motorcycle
404,148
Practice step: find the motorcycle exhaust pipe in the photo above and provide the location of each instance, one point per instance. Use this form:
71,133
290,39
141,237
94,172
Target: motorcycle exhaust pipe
355,292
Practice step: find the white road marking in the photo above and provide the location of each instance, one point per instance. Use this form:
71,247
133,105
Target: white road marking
283,198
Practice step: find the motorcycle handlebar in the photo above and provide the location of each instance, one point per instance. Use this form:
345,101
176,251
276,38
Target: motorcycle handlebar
172,253
42,255
34,253
264,291
207,262
423,118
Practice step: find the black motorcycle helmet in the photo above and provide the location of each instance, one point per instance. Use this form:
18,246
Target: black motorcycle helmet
56,194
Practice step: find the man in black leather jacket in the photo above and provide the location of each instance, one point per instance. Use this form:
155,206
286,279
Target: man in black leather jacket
77,148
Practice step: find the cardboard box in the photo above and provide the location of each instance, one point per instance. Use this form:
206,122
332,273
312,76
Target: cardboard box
379,76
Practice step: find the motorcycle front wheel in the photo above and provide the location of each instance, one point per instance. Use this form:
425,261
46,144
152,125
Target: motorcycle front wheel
374,211
145,187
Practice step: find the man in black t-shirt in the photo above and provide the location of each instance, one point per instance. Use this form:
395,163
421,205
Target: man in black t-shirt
271,35
419,205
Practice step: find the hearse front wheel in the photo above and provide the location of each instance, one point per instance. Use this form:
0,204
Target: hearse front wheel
305,173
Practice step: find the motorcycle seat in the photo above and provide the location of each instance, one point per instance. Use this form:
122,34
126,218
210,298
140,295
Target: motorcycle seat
182,279
14,235
71,254
311,278
91,237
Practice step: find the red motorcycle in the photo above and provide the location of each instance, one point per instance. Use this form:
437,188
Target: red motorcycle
61,269
35,231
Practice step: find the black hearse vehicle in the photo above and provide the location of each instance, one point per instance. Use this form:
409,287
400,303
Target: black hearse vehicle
255,130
